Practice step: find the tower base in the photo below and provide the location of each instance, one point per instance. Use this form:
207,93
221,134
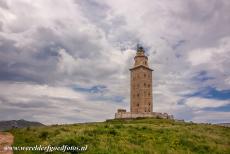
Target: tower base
122,114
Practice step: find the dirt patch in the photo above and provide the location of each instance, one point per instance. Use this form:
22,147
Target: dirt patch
6,139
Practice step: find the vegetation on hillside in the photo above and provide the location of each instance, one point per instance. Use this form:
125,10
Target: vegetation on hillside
7,125
140,136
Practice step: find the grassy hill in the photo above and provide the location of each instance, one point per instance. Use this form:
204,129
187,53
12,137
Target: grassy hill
140,136
7,125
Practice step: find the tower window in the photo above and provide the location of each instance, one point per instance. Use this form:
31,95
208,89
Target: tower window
137,95
144,85
137,104
144,75
148,85
149,94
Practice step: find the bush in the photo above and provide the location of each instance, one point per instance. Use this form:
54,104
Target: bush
28,128
118,126
113,132
43,135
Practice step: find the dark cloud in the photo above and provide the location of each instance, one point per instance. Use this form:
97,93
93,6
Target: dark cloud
3,4
1,26
95,11
7,45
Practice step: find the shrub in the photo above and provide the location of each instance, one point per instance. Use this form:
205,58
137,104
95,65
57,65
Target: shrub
43,135
28,129
118,126
113,132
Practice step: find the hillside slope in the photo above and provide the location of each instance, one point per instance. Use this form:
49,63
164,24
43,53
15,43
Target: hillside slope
140,136
7,125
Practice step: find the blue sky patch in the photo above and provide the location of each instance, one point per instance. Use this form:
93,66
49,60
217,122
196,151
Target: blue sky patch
99,89
118,98
93,89
178,44
212,93
202,76
109,99
225,108
181,101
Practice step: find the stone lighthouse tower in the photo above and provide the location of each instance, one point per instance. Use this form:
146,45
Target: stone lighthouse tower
141,98
141,84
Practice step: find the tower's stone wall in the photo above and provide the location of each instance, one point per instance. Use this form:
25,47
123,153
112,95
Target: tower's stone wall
141,90
141,85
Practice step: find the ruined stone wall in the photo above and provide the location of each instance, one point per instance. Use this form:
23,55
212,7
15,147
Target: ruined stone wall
127,115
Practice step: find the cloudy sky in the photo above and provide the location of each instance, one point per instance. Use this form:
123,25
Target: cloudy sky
68,61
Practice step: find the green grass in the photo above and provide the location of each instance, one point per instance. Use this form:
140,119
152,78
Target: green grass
140,136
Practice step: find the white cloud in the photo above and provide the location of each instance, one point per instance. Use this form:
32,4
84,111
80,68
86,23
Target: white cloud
53,104
215,61
204,56
67,63
198,103
210,56
211,117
